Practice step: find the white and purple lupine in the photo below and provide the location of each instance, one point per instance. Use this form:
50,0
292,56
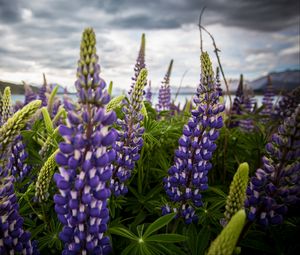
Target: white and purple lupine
83,160
187,178
237,102
19,167
129,141
140,63
13,238
29,94
246,108
268,98
164,93
148,95
276,185
287,104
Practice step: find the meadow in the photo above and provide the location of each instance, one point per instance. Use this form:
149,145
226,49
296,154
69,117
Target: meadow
103,174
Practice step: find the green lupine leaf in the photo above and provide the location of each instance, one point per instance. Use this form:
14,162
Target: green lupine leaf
123,232
166,238
47,120
158,224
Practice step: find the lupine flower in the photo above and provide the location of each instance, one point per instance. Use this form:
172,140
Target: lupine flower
83,160
276,185
140,63
164,93
42,94
148,95
129,141
44,178
247,107
268,98
29,94
237,102
11,129
287,104
237,192
226,241
188,176
19,167
6,108
13,239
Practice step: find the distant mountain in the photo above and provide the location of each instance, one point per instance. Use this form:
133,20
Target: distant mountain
16,88
19,88
281,81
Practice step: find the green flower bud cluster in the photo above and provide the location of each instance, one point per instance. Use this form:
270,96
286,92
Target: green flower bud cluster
44,178
12,127
114,103
6,108
237,191
226,241
137,94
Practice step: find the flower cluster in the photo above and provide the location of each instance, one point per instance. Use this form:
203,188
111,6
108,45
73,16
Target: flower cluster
29,94
19,167
164,93
6,109
276,185
140,63
237,192
287,104
188,176
129,141
237,102
226,241
83,160
268,98
148,95
13,239
247,107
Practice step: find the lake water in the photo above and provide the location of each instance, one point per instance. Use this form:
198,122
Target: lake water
180,98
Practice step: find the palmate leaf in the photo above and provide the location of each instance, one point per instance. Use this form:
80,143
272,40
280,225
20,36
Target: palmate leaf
123,232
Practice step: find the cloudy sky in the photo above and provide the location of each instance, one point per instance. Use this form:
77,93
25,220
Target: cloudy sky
39,36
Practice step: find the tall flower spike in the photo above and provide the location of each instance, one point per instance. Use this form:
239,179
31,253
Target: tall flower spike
276,185
268,99
129,141
83,160
237,192
29,94
287,104
13,239
140,63
188,176
11,129
6,108
226,241
237,102
247,107
164,93
44,178
148,95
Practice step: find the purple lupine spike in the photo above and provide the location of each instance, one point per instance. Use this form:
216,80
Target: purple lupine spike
268,98
276,185
148,95
287,104
164,93
13,239
187,178
29,94
237,102
246,108
129,142
19,167
84,160
140,63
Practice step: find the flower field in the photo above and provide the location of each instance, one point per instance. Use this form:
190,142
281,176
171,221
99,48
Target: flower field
120,175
